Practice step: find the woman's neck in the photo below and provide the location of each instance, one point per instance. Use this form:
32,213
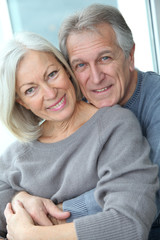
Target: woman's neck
54,132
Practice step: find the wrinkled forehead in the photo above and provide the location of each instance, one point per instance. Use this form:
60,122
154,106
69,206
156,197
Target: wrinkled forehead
89,41
103,29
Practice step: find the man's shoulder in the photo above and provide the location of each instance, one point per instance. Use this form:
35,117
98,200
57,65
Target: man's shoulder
151,81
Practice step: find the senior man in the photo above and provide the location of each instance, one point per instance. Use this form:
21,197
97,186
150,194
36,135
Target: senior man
99,46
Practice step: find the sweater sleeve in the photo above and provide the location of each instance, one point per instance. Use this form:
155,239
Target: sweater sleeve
151,121
6,194
6,190
127,185
83,205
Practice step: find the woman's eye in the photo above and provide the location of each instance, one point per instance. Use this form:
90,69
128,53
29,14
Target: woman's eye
29,91
52,74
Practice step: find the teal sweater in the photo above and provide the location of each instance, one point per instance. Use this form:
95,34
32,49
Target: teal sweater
107,153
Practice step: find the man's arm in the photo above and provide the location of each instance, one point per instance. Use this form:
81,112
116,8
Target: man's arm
81,206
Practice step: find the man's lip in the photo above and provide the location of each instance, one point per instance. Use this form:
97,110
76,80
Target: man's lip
56,102
101,90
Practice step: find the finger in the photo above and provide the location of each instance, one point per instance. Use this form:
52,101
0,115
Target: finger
8,211
42,219
54,211
18,206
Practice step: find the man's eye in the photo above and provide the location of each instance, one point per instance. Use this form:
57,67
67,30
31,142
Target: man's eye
80,65
104,58
52,74
30,91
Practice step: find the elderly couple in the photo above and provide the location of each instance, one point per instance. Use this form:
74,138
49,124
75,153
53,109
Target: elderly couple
90,158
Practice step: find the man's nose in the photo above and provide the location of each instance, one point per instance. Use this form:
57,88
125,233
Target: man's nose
96,75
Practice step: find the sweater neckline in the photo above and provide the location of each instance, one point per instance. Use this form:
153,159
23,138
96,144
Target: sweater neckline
73,137
136,92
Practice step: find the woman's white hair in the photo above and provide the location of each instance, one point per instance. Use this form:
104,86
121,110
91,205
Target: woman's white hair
22,122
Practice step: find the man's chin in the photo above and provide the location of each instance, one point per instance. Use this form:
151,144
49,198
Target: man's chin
102,104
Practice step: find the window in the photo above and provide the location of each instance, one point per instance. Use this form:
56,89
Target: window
153,7
45,17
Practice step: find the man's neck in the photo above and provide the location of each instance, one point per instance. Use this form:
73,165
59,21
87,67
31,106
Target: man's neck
131,88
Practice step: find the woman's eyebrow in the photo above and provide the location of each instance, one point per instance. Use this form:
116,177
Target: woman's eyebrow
25,84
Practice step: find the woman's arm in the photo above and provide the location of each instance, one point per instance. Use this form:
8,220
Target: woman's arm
126,188
6,194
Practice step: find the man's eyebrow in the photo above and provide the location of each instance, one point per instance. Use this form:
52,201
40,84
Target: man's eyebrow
103,52
78,60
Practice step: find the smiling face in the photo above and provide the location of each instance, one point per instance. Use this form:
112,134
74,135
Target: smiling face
100,66
44,87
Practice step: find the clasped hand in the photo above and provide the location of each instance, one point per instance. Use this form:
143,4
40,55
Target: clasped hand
26,211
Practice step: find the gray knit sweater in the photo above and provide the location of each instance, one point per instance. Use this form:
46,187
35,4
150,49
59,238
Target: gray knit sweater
108,152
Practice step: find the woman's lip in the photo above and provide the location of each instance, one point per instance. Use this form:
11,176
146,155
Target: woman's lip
60,104
56,102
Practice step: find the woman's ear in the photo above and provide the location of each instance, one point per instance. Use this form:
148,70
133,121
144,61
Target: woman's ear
18,100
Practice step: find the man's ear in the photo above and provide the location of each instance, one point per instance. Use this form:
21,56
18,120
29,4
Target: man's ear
131,58
18,100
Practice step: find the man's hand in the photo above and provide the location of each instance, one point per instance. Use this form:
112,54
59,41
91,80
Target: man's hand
56,221
42,210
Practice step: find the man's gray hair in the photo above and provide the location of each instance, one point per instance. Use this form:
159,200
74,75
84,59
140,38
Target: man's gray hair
20,121
89,18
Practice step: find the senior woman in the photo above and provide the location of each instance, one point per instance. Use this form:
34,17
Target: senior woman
66,147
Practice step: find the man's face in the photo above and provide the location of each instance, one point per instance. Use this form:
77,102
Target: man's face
101,68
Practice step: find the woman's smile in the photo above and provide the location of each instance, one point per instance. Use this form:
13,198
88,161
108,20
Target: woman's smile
59,105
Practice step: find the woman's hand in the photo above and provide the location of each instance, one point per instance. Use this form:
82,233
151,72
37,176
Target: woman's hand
42,210
19,223
20,226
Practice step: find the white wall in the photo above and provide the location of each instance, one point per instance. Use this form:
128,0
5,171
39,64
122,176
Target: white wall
5,138
5,33
5,25
135,14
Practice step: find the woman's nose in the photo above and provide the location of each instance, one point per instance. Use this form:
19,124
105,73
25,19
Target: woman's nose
49,92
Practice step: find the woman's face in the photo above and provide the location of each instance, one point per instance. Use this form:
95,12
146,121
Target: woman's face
43,86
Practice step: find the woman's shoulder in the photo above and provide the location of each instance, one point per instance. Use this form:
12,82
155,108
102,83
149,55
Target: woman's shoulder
13,150
115,113
116,117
